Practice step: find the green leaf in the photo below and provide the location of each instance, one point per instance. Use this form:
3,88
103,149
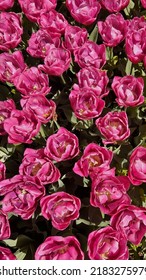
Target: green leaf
109,53
9,84
86,182
69,114
81,124
128,67
5,153
21,254
86,222
10,242
104,224
94,34
23,240
130,7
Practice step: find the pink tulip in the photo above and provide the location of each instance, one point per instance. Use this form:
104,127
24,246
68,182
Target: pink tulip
21,195
40,106
6,4
33,8
6,254
113,29
40,42
53,22
11,65
137,166
61,208
5,230
90,54
75,37
131,220
10,30
56,62
59,248
32,82
108,192
36,164
93,79
21,127
128,90
114,127
62,145
107,244
85,103
5,111
115,6
95,159
82,11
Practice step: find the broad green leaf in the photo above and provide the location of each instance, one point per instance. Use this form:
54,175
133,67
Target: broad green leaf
94,34
86,222
10,242
128,9
21,254
128,67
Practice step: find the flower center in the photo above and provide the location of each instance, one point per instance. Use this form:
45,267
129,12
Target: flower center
94,161
1,118
36,168
114,124
63,250
46,115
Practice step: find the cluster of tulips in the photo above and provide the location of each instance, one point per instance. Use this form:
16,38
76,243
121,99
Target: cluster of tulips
62,49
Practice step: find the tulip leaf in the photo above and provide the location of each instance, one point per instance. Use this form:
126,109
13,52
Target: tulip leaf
94,34
21,253
130,7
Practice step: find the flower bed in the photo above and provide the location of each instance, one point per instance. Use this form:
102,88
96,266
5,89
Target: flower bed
72,130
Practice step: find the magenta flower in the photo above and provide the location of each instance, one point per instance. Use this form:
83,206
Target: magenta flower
95,159
107,244
10,30
61,208
2,171
32,82
135,45
85,103
6,254
56,62
108,192
84,12
143,3
40,106
5,231
114,127
6,4
59,248
21,127
11,65
22,194
75,37
36,164
128,90
113,29
137,166
90,54
33,8
93,79
62,145
6,108
53,22
131,220
115,6
40,42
